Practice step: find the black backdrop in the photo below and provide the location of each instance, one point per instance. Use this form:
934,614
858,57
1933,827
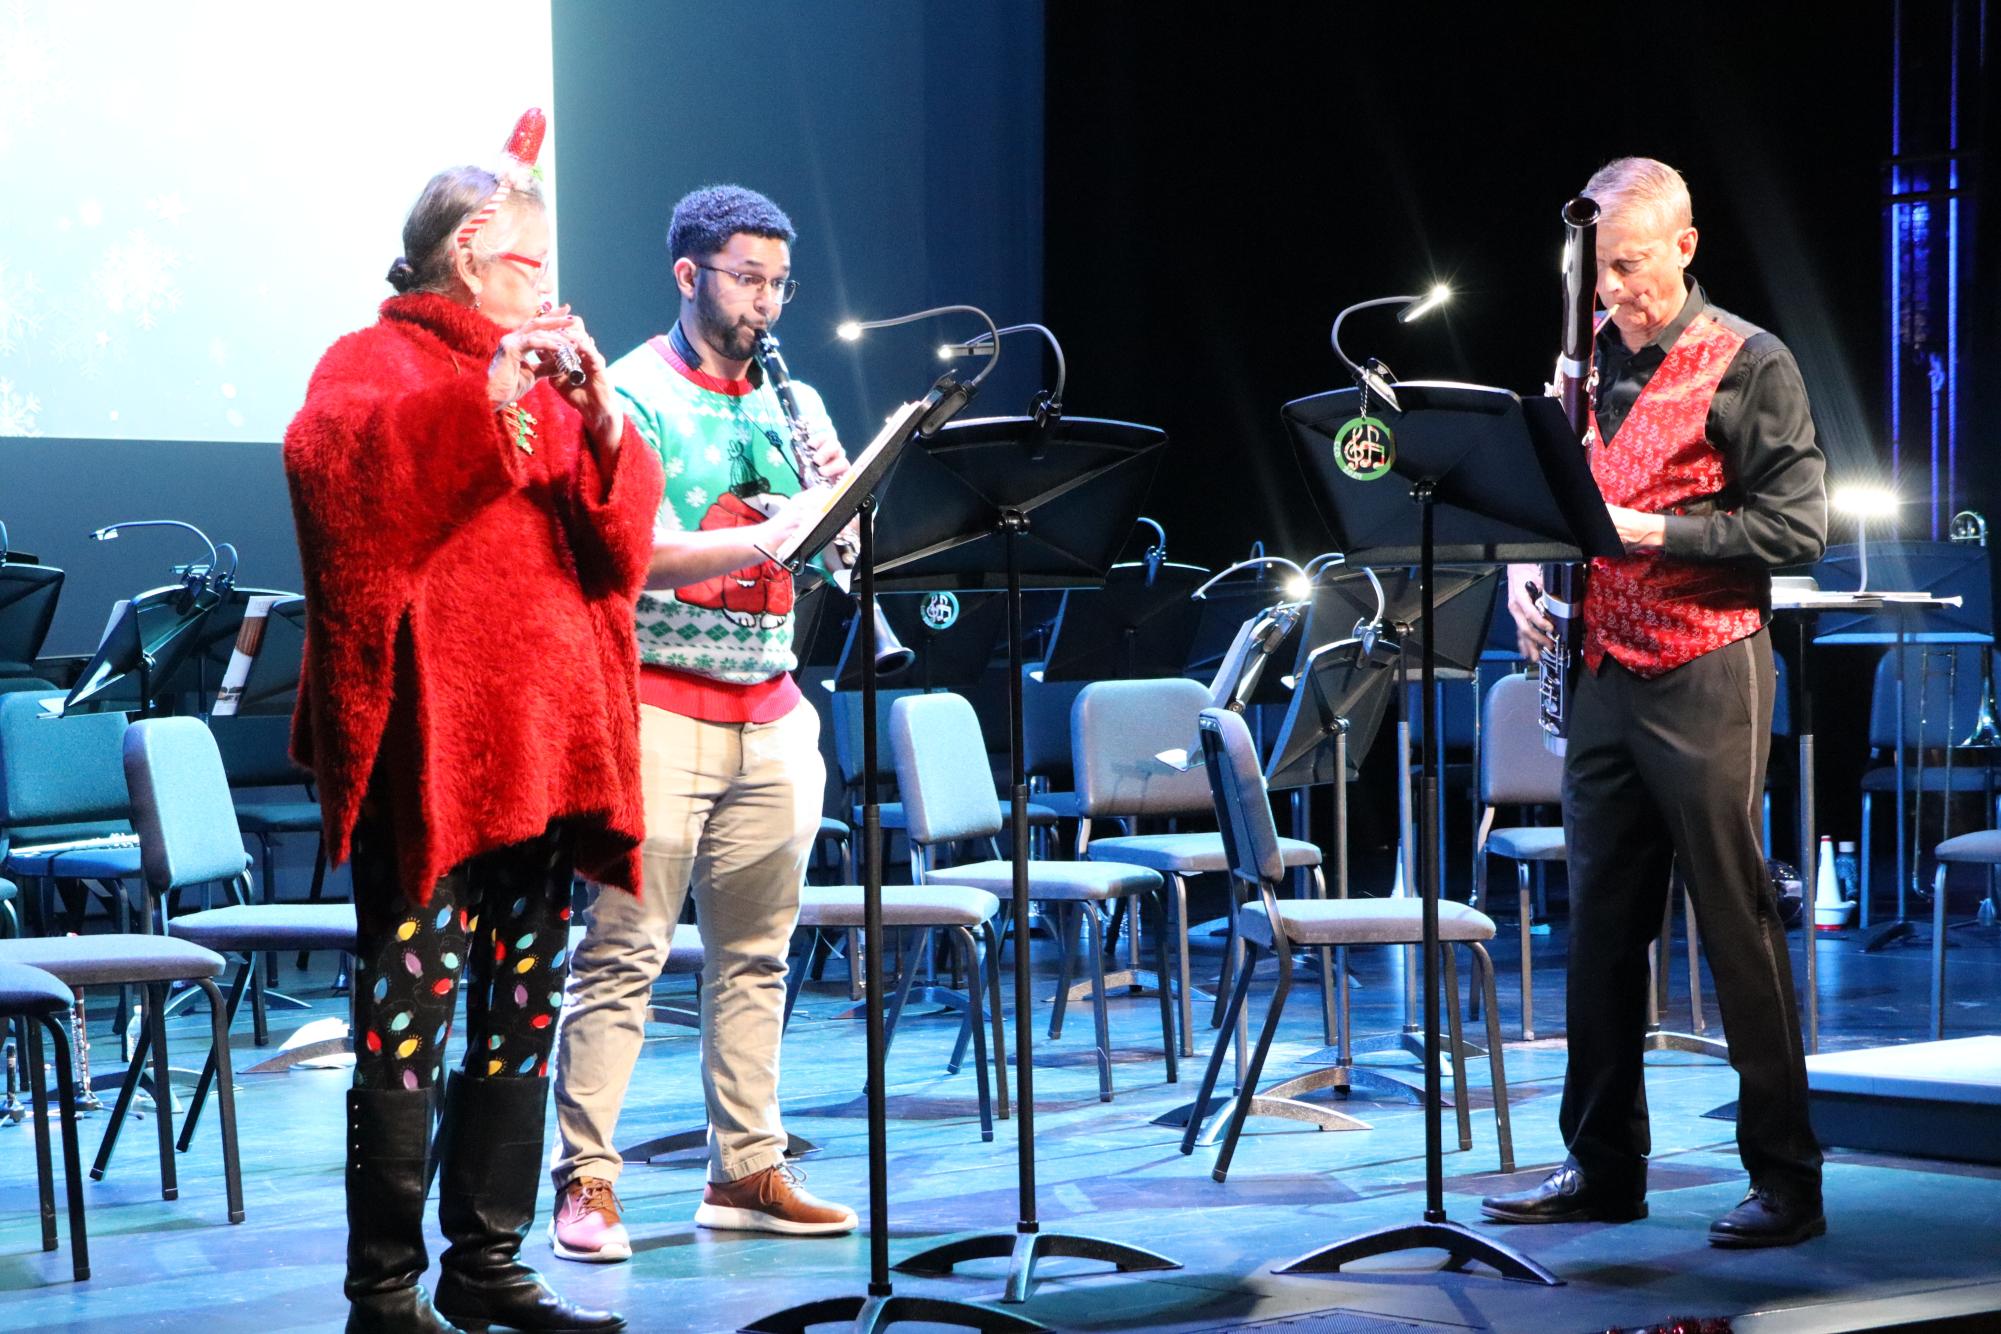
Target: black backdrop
1217,191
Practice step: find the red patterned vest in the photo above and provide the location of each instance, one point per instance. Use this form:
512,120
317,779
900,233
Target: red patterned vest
1654,613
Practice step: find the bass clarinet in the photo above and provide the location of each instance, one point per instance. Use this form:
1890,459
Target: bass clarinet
1563,584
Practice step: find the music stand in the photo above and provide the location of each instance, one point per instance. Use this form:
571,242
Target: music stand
1943,570
1007,501
880,1307
28,594
1494,478
1135,627
199,672
149,636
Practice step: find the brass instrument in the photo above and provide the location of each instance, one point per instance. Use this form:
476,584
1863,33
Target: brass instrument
1563,584
840,555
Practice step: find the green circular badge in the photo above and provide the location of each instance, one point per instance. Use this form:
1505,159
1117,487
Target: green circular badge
1365,448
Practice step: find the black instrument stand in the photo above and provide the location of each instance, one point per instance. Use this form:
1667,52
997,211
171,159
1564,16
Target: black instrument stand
1064,486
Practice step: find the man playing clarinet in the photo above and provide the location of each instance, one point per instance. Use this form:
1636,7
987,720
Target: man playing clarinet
1703,445
729,749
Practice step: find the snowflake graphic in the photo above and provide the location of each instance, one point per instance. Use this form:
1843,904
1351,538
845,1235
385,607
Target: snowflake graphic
137,277
713,455
167,207
696,498
674,467
18,411
777,457
19,317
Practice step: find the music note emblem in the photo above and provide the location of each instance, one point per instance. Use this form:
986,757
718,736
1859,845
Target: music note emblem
1365,448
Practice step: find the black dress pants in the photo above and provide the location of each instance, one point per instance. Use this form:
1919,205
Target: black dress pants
1659,772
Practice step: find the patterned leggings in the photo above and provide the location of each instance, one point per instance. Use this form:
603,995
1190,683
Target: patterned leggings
502,918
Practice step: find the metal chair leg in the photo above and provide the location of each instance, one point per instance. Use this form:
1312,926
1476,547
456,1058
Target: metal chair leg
1168,1044
1497,1071
225,1098
993,984
236,989
1066,949
1528,951
1449,971
163,1098
45,1180
1232,1004
79,1243
1100,1016
1242,1109
968,951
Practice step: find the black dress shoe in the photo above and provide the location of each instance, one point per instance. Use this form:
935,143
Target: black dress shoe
1563,1197
1769,1217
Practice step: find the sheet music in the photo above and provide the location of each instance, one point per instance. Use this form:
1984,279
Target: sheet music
842,495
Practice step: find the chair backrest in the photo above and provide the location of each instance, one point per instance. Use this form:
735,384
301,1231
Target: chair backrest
256,750
58,770
1116,729
28,596
848,729
1243,807
181,805
1045,726
1942,686
941,770
1516,768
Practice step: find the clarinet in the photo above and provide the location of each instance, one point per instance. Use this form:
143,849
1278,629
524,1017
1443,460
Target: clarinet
841,554
1563,584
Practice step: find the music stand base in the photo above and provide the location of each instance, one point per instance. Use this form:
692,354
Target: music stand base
1410,1041
865,1315
1461,1243
1024,1249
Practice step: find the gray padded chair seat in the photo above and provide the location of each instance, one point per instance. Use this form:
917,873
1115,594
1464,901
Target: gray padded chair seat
1529,843
29,990
685,955
1981,848
1187,854
90,864
832,828
84,961
1067,881
1039,815
1965,778
1363,922
278,817
276,926
839,907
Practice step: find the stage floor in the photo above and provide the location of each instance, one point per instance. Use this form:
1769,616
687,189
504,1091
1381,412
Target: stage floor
1908,1239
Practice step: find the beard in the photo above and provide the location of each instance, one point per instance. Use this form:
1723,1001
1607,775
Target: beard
730,335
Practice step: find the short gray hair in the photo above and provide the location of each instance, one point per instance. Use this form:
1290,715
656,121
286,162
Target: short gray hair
1642,185
428,233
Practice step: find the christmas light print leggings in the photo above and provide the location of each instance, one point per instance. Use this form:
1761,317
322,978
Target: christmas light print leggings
502,918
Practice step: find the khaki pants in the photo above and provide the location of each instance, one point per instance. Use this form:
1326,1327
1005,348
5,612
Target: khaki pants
731,809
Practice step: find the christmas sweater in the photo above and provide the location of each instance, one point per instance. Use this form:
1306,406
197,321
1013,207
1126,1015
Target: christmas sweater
721,444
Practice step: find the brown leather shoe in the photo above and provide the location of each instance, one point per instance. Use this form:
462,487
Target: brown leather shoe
771,1201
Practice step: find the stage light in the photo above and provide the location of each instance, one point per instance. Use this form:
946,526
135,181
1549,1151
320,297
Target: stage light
1865,501
1298,588
1431,301
848,331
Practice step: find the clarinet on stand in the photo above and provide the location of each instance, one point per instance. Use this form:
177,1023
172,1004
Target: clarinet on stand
86,1097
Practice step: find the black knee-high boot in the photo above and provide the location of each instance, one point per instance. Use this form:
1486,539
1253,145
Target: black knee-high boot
488,1176
388,1134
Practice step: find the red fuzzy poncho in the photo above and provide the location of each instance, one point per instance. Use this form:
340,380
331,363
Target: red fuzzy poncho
469,639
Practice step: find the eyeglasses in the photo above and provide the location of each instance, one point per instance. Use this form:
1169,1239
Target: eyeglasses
534,266
782,289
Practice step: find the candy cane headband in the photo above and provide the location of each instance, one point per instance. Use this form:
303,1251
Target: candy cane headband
523,147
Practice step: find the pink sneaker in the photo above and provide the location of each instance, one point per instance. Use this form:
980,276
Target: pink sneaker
586,1226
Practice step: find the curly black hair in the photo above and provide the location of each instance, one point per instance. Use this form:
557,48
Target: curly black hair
706,219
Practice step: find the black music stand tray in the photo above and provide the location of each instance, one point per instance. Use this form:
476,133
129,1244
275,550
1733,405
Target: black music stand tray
147,641
1003,502
947,657
1494,478
1130,629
